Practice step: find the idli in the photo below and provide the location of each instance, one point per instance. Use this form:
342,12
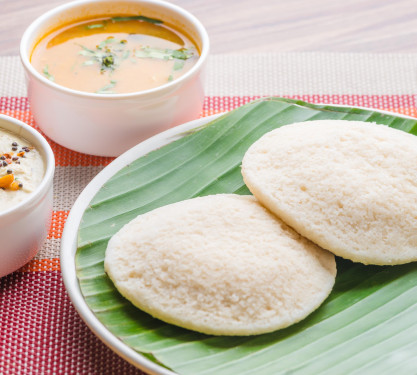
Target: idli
348,186
221,265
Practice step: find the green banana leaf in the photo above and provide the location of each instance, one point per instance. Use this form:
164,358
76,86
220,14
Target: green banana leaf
368,325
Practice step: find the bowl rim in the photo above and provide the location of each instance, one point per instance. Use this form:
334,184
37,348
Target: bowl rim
42,188
38,22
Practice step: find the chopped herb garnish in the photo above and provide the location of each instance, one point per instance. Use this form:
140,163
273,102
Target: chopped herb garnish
152,53
108,61
87,53
105,89
182,54
109,54
47,74
139,18
86,50
105,58
105,42
164,54
178,64
96,26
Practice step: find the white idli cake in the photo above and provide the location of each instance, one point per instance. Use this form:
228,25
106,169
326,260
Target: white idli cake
348,186
221,265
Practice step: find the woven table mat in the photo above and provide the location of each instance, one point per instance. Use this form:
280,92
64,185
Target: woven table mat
40,331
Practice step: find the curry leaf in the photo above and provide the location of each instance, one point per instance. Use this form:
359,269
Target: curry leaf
106,42
139,18
95,26
48,75
178,64
89,62
105,89
86,50
163,54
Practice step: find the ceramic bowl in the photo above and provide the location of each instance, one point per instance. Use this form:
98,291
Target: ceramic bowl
108,125
24,227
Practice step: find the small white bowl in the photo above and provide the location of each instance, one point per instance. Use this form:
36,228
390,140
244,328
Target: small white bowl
24,227
108,125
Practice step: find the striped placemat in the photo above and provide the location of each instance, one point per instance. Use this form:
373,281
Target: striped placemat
40,331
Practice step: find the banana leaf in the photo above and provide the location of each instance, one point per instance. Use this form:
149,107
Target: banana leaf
367,325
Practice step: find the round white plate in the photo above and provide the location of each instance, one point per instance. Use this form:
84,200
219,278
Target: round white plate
69,242
69,238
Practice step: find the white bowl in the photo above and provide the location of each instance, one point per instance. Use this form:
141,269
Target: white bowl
108,125
24,227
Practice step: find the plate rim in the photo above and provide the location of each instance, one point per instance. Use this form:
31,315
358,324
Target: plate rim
70,234
68,246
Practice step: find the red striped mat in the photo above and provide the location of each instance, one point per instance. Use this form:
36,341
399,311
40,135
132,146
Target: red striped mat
40,331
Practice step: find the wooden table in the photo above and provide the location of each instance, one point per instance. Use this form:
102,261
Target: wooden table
250,26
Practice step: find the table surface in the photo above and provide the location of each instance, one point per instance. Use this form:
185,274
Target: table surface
47,334
246,26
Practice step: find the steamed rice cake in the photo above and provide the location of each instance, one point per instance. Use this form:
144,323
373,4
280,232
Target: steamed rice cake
348,186
220,264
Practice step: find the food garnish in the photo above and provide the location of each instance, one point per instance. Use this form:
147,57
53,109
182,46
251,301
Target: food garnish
47,74
96,26
115,47
7,159
105,89
139,18
6,180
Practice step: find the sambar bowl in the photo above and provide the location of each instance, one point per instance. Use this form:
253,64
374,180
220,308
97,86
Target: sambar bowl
108,125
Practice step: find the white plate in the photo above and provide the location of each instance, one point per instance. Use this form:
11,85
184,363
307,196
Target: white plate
69,243
69,238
